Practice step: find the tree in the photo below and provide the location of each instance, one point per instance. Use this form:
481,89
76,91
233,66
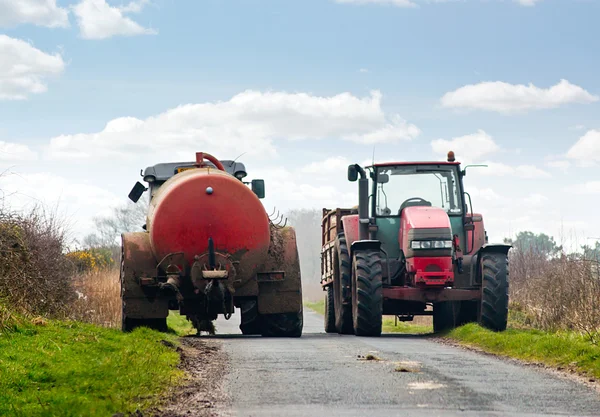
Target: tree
127,218
540,245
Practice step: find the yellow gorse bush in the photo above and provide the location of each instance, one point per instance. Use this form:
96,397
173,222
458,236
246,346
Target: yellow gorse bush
91,260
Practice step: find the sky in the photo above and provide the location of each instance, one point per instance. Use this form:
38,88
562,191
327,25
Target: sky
93,91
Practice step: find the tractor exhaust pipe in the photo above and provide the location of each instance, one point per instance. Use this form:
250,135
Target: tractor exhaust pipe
363,199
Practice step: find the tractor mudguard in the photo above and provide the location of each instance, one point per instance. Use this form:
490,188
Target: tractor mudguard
475,266
495,247
365,245
138,261
279,282
350,226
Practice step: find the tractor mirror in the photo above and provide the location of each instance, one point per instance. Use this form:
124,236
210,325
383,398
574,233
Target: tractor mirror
258,186
137,191
383,178
352,173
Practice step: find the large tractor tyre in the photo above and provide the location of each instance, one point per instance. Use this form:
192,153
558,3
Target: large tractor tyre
342,277
250,323
445,315
329,311
367,293
494,291
129,324
282,325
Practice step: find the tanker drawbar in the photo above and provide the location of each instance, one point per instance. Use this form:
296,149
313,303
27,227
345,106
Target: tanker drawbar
208,248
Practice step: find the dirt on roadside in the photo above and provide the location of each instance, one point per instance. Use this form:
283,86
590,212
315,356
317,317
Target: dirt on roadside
202,394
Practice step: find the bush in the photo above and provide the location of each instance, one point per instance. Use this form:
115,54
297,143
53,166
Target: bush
91,260
35,276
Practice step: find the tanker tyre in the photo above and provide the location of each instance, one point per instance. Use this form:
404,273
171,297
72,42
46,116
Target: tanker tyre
445,316
342,278
329,311
282,325
367,293
494,291
250,324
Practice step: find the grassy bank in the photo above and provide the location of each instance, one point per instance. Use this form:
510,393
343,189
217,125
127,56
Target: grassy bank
562,350
54,368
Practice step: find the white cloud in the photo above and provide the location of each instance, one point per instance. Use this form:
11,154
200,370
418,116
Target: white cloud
587,148
536,200
528,2
363,70
398,3
559,164
521,171
507,98
467,148
333,164
23,69
248,122
134,6
16,152
98,20
37,12
590,187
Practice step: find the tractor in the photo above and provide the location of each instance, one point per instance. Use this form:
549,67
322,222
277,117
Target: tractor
208,247
413,246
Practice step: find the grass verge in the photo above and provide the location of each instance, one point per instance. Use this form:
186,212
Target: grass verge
562,350
54,368
388,322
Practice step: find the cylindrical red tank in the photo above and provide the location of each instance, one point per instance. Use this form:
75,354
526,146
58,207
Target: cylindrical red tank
204,203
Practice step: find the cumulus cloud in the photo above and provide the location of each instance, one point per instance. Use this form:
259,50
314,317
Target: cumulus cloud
508,98
528,2
16,152
466,148
249,122
333,164
521,171
587,148
590,187
99,20
37,12
23,69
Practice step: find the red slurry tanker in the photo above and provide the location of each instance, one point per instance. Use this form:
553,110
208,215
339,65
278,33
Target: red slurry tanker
209,246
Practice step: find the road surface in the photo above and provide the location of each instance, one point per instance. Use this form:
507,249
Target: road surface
322,375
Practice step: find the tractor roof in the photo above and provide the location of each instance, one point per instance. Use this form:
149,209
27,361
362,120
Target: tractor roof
388,164
164,171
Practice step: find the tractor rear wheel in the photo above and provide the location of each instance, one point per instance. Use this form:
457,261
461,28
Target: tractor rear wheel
129,324
329,311
367,293
494,291
282,325
250,323
342,283
445,315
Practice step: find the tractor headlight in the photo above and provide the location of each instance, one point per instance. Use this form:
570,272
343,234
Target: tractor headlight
431,244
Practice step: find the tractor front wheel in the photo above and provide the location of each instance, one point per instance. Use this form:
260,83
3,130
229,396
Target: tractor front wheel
367,293
329,311
494,291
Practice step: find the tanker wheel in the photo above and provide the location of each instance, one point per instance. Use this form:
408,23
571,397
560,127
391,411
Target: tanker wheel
329,311
445,315
282,324
367,293
342,281
250,318
494,291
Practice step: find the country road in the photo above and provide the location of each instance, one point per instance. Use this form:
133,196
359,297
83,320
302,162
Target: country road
322,375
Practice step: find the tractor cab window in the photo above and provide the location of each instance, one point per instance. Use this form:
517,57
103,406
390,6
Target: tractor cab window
397,187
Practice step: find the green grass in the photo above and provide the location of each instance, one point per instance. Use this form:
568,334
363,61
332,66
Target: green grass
388,323
180,325
564,350
74,369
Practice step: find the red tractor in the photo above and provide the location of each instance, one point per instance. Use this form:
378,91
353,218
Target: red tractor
209,247
413,242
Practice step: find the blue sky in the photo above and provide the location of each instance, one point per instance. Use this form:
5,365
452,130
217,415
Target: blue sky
306,63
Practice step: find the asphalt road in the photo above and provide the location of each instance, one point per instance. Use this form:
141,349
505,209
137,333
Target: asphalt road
322,375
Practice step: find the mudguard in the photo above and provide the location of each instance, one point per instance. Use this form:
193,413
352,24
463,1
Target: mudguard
350,224
475,266
276,295
137,262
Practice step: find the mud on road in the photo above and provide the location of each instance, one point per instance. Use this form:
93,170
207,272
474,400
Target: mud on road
202,393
